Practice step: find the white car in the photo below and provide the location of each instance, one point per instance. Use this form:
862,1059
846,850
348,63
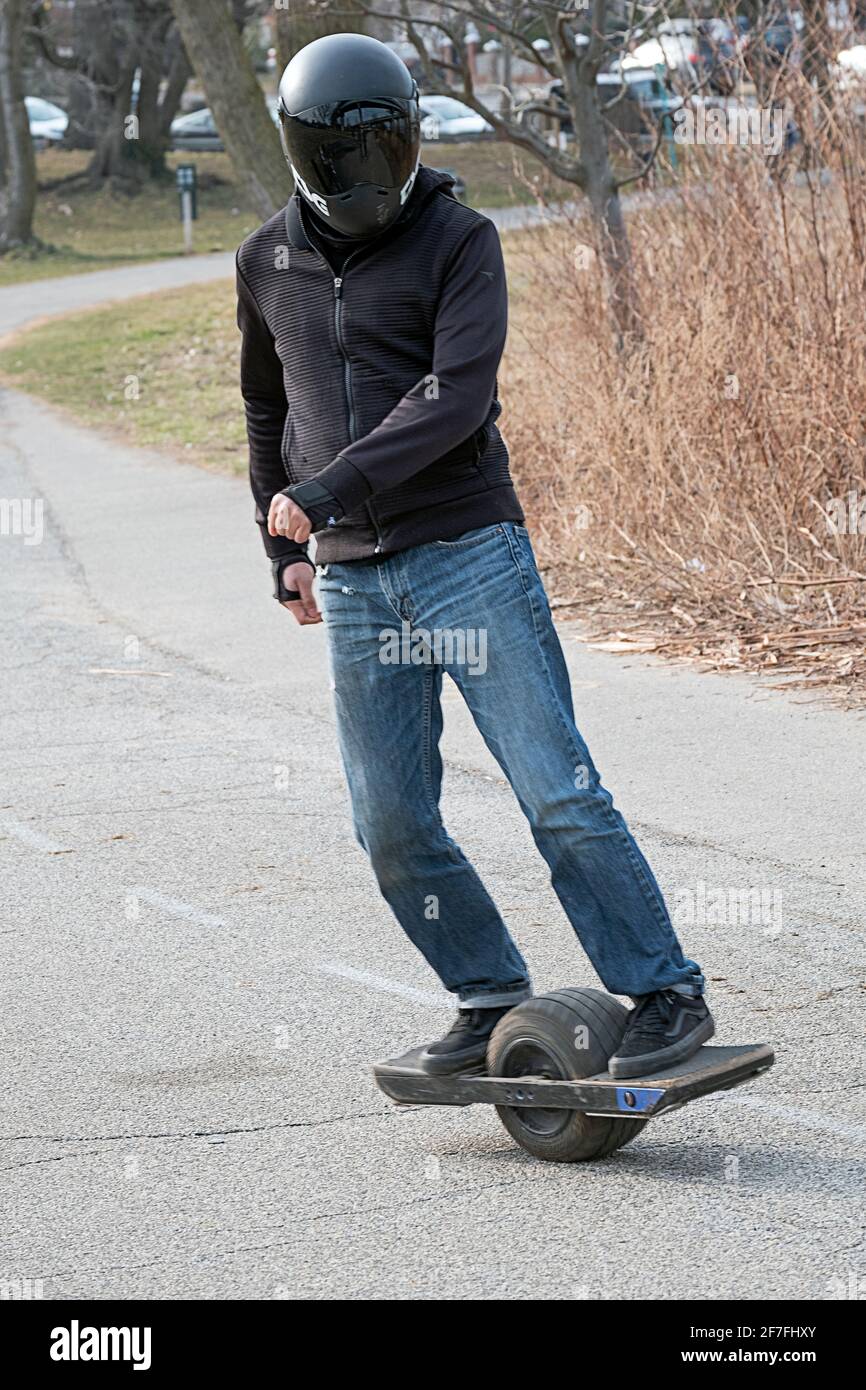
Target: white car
678,26
850,74
852,65
676,52
47,122
443,118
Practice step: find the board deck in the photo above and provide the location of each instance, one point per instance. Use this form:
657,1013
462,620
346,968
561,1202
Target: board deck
711,1069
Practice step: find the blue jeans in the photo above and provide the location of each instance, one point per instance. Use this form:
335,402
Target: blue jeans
476,608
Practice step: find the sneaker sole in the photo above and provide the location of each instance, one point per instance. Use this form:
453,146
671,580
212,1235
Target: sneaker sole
625,1068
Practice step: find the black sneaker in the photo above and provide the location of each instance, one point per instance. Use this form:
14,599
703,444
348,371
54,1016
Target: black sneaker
663,1029
464,1047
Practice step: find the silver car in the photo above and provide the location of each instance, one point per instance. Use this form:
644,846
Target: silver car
198,129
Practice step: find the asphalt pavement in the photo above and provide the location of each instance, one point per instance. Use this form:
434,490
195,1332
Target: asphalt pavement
199,974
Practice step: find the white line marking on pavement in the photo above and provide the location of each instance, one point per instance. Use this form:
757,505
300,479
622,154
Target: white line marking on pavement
122,671
34,839
363,977
810,1119
176,908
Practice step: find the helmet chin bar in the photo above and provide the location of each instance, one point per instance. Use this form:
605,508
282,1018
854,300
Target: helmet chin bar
316,199
322,205
410,182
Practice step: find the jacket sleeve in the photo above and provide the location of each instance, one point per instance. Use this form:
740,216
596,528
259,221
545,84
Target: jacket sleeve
266,410
448,405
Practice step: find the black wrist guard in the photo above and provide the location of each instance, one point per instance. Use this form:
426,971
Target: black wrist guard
281,593
316,501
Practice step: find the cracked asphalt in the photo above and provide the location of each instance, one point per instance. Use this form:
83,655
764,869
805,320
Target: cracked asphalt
198,973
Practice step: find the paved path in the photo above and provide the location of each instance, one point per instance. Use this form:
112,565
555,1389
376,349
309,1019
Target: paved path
22,304
198,971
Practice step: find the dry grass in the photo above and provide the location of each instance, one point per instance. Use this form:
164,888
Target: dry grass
681,495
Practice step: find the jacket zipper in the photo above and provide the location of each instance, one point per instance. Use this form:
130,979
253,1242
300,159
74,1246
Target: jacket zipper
347,378
338,294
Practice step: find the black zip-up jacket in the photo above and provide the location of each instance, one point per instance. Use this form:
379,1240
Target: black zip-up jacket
379,383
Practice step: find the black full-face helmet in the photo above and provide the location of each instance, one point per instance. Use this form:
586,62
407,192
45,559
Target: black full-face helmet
351,131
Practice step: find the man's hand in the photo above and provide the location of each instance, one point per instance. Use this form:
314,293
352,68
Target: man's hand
300,576
285,518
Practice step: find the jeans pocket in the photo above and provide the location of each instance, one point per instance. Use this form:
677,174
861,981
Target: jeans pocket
470,538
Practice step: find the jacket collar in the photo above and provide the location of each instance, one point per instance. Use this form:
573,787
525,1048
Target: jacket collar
428,182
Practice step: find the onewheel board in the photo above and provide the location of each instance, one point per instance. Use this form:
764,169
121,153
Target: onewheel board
545,1070
711,1069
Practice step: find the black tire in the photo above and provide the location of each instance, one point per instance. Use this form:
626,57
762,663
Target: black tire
539,1038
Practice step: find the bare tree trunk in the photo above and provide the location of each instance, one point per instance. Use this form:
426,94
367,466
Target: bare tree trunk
79,108
287,37
606,205
305,20
113,157
132,145
179,74
17,161
109,43
599,182
218,56
148,149
574,63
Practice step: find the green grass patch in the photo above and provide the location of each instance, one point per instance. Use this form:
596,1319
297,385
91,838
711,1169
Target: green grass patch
497,175
161,371
83,228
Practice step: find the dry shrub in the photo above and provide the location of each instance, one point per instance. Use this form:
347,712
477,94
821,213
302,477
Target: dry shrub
680,492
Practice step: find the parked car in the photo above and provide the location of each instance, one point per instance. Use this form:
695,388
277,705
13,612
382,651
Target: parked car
773,41
198,130
679,53
850,74
780,37
851,69
444,118
719,55
678,26
644,100
644,104
48,122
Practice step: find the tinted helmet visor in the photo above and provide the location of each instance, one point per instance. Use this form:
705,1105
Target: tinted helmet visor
350,158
